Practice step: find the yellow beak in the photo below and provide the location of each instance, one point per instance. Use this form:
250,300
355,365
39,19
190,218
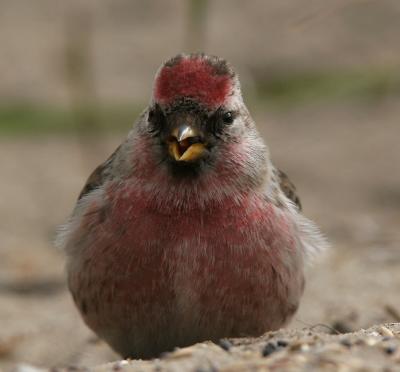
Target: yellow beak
184,144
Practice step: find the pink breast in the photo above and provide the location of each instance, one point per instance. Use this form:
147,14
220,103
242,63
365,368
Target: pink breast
149,260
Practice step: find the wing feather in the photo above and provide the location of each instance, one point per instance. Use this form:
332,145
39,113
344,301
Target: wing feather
288,188
98,176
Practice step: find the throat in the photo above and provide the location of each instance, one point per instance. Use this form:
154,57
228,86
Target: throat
190,172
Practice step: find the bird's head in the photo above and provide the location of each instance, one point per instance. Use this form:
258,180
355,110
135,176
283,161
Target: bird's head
198,122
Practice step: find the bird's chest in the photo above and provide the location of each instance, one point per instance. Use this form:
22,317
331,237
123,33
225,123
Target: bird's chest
182,262
132,236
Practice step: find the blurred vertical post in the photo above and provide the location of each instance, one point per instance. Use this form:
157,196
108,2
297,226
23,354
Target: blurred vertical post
80,76
79,69
196,25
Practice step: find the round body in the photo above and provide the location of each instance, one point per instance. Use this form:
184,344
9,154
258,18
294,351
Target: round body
147,280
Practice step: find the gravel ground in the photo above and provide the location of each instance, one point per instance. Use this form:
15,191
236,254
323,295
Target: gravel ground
344,160
377,348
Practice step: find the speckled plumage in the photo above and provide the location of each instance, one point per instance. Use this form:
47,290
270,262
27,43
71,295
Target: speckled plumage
161,254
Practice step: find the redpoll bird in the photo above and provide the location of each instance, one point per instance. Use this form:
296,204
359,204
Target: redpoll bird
188,232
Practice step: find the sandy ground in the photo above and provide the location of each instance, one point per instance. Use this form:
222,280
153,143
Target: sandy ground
376,349
344,161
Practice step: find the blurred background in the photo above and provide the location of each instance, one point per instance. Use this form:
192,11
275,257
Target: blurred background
322,80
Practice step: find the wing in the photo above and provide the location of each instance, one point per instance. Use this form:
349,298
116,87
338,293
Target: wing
98,176
288,188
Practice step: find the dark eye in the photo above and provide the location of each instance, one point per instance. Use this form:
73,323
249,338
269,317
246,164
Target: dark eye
227,117
156,119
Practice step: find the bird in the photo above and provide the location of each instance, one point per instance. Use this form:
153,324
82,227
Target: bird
188,232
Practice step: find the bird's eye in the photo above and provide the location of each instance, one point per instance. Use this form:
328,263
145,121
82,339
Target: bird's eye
155,119
227,117
155,113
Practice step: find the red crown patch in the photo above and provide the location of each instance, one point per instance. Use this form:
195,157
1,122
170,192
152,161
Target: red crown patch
195,78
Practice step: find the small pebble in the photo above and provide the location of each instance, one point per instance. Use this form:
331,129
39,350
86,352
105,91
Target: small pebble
282,343
305,347
390,350
268,349
346,342
370,341
118,365
225,344
384,331
299,346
